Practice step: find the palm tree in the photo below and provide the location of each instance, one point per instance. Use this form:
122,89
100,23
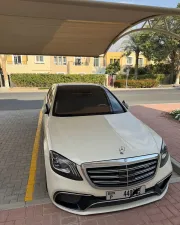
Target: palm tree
133,44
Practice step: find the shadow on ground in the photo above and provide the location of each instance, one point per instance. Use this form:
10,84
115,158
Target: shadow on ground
15,104
40,190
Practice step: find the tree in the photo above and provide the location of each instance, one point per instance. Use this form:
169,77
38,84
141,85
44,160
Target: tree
113,68
133,44
157,47
161,48
164,48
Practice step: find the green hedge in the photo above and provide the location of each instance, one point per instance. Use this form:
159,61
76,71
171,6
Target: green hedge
46,80
132,77
159,77
146,83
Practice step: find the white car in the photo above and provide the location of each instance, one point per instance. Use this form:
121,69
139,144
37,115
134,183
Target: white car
99,157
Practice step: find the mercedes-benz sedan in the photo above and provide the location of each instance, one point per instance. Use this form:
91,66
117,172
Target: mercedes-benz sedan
98,156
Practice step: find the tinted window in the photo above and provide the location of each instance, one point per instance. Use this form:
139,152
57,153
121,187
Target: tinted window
77,100
116,106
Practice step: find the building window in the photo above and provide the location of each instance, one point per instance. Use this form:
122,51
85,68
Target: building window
96,62
60,60
114,60
129,60
78,61
140,61
117,60
17,59
39,59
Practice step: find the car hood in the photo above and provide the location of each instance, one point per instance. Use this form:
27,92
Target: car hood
96,138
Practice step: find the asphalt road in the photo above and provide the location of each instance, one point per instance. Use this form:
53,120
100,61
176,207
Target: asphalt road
22,101
150,96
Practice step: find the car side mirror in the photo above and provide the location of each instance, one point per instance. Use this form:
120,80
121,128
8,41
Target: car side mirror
45,109
125,104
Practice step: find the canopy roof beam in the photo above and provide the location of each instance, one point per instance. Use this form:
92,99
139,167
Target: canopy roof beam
161,24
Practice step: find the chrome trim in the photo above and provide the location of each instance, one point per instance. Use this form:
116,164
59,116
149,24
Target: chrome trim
139,167
122,161
127,176
118,162
142,171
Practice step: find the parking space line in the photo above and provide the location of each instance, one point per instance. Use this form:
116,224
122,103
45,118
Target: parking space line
33,166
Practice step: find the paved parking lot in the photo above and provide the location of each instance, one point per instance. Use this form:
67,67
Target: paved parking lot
17,135
17,132
164,212
18,124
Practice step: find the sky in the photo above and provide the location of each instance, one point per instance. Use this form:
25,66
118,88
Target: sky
161,3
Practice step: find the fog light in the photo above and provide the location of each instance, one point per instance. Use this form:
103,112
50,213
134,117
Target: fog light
68,198
162,184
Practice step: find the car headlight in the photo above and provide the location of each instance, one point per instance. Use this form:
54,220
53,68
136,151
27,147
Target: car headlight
63,166
164,154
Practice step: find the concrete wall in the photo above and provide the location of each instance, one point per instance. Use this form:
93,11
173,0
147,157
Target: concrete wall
30,67
57,68
72,69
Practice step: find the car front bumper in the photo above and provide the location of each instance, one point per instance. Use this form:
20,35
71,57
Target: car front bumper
81,198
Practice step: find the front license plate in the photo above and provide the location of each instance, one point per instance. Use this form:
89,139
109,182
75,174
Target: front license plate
130,193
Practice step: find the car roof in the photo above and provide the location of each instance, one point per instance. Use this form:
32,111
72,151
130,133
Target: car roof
78,84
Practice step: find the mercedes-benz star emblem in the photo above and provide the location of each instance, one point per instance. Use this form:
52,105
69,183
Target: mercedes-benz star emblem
122,150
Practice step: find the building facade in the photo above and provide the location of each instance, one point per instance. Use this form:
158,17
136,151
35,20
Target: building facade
124,61
68,65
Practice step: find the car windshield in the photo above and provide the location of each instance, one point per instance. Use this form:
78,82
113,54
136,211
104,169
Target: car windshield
81,100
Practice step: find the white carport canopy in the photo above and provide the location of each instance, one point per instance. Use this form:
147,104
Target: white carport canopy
67,27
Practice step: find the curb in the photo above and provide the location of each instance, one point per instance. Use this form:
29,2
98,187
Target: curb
25,204
175,165
140,89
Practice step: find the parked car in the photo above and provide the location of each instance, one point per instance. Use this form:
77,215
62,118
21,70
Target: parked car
98,156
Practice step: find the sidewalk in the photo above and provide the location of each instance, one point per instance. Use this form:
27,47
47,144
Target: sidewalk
154,116
164,212
138,89
23,89
35,89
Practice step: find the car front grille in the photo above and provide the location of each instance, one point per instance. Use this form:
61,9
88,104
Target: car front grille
123,175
